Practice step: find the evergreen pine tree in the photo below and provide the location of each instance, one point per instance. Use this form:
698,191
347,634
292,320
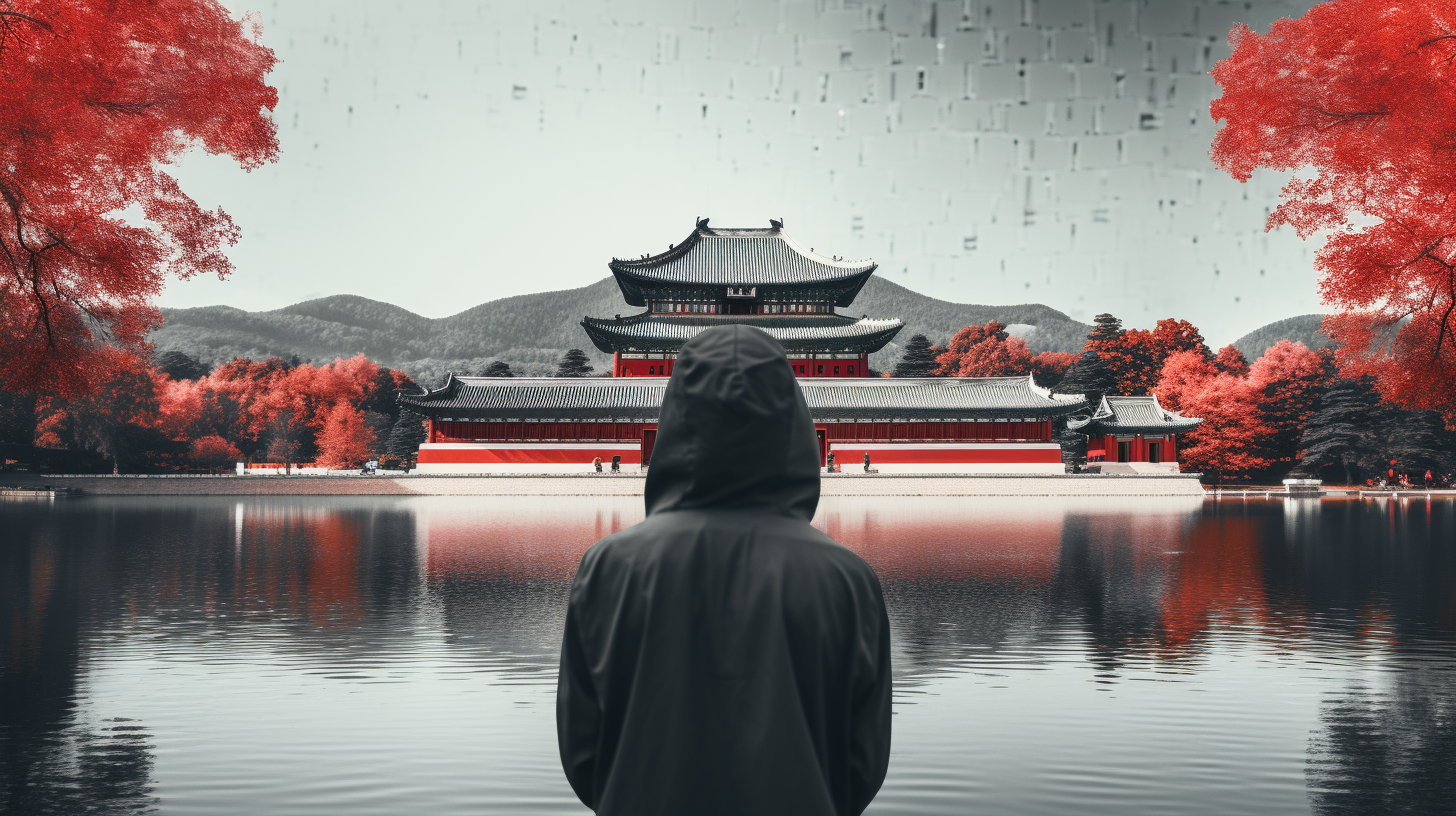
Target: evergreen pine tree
17,419
1287,410
406,436
1090,377
918,359
1074,447
574,363
1341,433
501,369
1416,440
1105,329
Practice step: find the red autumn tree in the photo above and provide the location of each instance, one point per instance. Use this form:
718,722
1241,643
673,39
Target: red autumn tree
1291,379
984,351
1184,375
118,420
345,441
1137,357
1360,92
213,452
96,99
1230,441
1231,361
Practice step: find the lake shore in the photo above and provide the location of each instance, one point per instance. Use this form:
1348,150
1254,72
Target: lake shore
604,485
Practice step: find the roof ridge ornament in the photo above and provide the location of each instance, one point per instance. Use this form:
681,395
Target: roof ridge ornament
776,223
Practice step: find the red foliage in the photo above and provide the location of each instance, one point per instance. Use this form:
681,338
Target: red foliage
984,351
118,420
1231,438
345,440
1286,361
1136,356
1184,375
1231,361
1360,92
1291,379
95,99
213,451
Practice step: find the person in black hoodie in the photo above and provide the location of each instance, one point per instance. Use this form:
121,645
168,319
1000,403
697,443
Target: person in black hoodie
724,656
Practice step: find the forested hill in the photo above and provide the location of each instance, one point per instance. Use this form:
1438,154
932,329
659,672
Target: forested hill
1303,328
530,332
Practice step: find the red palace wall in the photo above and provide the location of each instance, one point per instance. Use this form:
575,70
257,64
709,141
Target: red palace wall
631,367
905,446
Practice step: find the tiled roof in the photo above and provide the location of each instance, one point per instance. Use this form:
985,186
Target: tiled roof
1133,415
828,399
796,333
740,257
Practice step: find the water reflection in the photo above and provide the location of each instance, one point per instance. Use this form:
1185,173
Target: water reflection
165,653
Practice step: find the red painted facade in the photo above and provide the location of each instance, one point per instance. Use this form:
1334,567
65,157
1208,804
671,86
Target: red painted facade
1134,449
452,442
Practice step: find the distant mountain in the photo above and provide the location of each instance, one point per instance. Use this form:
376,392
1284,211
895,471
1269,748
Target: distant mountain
1304,329
530,332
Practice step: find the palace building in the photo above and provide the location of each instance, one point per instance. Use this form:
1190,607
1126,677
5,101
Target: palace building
756,277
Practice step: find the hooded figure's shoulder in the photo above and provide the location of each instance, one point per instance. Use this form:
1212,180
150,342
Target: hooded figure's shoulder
768,542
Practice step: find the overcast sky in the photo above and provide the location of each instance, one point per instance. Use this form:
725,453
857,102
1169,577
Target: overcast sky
436,155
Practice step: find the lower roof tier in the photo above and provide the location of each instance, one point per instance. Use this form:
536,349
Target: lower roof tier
1133,415
825,333
640,399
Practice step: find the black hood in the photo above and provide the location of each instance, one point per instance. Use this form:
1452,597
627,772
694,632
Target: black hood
734,430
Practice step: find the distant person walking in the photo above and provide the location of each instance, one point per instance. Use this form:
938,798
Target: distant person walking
597,463
1429,478
616,464
867,462
724,656
829,464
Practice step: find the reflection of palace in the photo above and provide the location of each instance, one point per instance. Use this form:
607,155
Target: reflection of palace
755,277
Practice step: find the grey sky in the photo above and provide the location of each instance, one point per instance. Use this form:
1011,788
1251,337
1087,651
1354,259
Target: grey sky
440,154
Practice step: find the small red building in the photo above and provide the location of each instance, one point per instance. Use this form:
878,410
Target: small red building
1133,435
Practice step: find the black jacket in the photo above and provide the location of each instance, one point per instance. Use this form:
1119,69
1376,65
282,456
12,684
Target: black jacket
723,656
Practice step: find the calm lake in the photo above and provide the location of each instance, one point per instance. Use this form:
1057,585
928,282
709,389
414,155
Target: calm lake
398,655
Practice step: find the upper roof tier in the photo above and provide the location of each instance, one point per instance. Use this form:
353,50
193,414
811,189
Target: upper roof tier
829,400
1133,415
806,333
767,259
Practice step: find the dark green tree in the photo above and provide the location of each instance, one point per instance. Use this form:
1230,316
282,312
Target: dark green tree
1106,329
1417,440
384,397
574,363
1090,376
1288,406
406,436
17,418
180,366
1074,446
503,369
1342,431
918,359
